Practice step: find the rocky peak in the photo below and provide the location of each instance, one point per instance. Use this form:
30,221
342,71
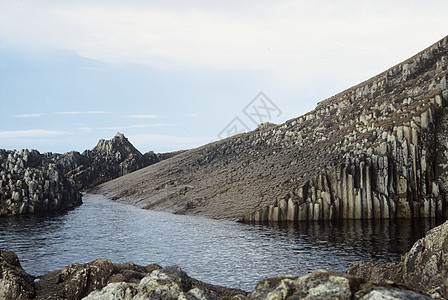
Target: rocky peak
118,144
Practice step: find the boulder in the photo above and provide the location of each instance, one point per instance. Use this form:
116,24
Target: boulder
15,283
422,268
328,285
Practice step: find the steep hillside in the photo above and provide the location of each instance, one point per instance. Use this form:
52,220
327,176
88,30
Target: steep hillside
376,150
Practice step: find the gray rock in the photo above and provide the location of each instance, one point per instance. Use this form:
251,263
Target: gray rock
389,293
14,282
421,268
168,283
113,291
33,182
317,285
328,285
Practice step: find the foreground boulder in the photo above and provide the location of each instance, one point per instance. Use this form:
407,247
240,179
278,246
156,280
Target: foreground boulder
329,285
422,273
422,268
15,283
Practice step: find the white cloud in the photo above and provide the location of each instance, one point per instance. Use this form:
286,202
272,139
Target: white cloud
28,115
32,133
294,36
82,113
141,116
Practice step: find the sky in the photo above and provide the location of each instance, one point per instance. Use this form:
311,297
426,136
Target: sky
174,75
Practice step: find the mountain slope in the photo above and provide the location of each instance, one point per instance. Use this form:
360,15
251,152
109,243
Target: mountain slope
376,150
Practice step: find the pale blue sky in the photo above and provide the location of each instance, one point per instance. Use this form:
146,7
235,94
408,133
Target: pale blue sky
172,74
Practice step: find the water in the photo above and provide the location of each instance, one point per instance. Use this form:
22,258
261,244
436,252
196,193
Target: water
218,252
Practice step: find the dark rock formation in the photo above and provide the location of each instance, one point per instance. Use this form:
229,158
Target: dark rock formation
31,182
422,268
376,150
14,282
109,159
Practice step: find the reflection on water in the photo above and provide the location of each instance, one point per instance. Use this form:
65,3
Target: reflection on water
218,252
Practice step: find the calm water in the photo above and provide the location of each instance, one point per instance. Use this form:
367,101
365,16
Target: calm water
219,252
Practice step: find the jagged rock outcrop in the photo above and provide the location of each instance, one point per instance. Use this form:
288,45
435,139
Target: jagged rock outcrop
109,159
31,182
422,268
376,150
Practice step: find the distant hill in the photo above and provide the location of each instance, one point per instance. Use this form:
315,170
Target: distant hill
376,150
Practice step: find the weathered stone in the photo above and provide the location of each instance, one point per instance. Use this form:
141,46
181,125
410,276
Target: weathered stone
14,282
113,291
389,292
321,285
168,283
422,268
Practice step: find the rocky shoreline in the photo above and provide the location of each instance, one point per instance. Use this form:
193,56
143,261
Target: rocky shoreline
420,274
32,182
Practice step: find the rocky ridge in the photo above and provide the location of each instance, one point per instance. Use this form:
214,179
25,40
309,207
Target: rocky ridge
109,159
418,275
376,150
33,182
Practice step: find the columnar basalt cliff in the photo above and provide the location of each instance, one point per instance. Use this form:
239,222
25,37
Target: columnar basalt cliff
376,150
30,182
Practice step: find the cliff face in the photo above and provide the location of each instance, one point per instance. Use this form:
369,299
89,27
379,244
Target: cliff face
30,182
376,150
33,182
